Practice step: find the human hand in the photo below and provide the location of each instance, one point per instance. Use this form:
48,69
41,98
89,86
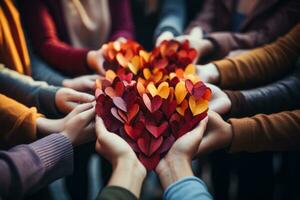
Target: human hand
84,83
167,35
128,171
219,102
208,73
95,60
71,124
177,163
67,99
218,134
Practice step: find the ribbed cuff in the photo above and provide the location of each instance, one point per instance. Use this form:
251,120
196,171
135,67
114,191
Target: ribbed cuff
116,192
55,150
242,139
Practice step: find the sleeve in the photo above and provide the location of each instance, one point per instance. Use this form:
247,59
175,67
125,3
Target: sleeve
18,123
122,22
279,96
172,17
275,132
26,168
205,17
46,42
186,189
261,65
29,92
115,193
280,23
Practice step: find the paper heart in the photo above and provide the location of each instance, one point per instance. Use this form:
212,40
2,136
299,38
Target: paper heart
151,99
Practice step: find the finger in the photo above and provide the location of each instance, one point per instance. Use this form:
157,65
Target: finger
100,127
84,118
93,77
196,33
90,85
82,107
197,133
81,97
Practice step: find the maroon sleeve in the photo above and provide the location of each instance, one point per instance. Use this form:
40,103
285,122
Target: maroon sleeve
122,22
47,44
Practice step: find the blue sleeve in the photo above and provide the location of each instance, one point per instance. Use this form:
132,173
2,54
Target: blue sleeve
172,17
188,188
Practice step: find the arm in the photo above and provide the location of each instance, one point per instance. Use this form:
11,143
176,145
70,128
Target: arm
15,119
287,16
172,18
122,22
46,42
26,168
259,66
275,132
29,92
279,96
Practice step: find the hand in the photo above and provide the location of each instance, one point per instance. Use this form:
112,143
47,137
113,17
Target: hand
128,171
219,102
218,135
82,83
167,35
68,123
95,60
195,38
177,163
67,99
208,73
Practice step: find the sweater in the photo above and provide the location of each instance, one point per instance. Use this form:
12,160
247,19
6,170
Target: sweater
29,92
47,31
27,168
269,20
18,123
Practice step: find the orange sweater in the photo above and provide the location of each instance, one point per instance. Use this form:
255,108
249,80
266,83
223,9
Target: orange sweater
13,49
17,123
280,131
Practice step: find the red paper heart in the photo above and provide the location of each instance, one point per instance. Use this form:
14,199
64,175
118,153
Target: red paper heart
154,104
156,131
134,132
148,144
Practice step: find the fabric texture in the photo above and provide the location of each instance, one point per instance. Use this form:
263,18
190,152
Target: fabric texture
26,168
29,92
115,193
186,189
269,20
13,50
18,123
46,23
275,132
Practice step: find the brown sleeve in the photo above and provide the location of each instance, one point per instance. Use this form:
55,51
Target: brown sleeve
261,65
17,123
276,132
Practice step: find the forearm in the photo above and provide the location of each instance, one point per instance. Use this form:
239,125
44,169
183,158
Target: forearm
262,64
27,168
29,92
172,17
276,132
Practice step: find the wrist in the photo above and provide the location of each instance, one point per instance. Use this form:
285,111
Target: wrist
128,173
172,169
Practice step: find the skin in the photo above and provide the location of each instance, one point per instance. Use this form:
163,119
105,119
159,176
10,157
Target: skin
78,126
84,83
67,99
208,73
177,164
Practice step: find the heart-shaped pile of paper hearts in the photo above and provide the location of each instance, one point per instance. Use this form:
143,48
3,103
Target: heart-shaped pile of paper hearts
151,99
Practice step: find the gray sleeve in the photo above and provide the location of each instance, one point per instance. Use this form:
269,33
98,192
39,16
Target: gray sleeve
43,72
26,168
29,92
172,17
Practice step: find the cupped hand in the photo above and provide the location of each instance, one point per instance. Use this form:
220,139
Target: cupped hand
218,134
219,102
67,99
208,73
84,83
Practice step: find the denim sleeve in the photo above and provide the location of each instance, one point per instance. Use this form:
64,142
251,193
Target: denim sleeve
188,188
172,17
